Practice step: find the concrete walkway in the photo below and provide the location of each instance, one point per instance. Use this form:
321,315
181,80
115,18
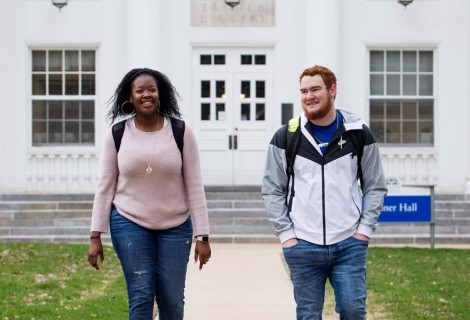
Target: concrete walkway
241,281
249,282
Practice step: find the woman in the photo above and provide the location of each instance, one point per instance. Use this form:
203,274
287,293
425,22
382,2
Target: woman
151,197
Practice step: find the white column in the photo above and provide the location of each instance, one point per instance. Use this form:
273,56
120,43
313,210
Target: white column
144,33
111,61
321,33
467,184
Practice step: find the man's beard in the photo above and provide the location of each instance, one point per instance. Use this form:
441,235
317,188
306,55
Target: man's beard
322,112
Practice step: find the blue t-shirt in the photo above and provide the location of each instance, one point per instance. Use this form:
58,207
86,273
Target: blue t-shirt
323,134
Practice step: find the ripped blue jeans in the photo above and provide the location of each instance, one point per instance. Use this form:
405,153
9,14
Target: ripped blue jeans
154,263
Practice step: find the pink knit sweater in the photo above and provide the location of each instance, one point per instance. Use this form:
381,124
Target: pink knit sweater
160,200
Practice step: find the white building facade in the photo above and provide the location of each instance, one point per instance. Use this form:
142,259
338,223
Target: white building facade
404,70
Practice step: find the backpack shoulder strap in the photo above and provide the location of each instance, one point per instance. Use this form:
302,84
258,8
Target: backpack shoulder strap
358,142
292,140
178,126
118,132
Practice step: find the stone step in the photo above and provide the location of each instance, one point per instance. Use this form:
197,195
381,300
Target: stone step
66,197
45,214
233,196
236,214
223,219
47,230
71,238
240,203
44,205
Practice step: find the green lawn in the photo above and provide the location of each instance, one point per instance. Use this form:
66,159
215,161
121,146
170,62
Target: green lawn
413,283
55,281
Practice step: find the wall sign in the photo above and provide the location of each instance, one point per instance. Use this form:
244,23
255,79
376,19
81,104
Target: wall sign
409,204
409,208
215,13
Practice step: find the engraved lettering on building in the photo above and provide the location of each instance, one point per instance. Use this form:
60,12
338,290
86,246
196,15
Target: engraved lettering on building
249,13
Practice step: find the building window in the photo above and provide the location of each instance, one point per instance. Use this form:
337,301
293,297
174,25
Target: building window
209,59
63,97
249,59
253,100
401,97
212,100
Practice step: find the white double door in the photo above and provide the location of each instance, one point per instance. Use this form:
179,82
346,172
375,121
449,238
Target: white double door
233,125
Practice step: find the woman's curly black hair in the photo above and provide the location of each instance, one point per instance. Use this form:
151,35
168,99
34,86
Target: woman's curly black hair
166,92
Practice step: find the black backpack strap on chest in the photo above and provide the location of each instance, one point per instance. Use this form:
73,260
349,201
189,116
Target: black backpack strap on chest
358,142
292,140
118,131
177,125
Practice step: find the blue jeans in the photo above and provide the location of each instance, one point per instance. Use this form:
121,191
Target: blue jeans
154,263
343,263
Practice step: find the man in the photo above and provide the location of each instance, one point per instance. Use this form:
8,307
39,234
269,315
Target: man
319,213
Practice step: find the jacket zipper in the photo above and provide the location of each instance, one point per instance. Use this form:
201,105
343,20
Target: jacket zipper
335,137
323,198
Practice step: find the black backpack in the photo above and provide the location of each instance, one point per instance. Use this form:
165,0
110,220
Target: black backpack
177,126
293,135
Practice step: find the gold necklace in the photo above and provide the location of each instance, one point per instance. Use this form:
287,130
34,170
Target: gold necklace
149,168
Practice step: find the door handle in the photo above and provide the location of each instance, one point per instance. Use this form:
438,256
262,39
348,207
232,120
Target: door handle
230,142
235,142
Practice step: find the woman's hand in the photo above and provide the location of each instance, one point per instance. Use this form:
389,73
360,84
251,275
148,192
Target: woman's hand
96,249
202,253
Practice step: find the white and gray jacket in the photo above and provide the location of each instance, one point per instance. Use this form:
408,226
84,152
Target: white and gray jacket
328,206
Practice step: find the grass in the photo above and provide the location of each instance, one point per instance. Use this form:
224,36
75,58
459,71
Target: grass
55,281
415,283
418,283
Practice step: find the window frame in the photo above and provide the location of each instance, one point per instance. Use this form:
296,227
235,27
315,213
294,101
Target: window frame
79,98
417,99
